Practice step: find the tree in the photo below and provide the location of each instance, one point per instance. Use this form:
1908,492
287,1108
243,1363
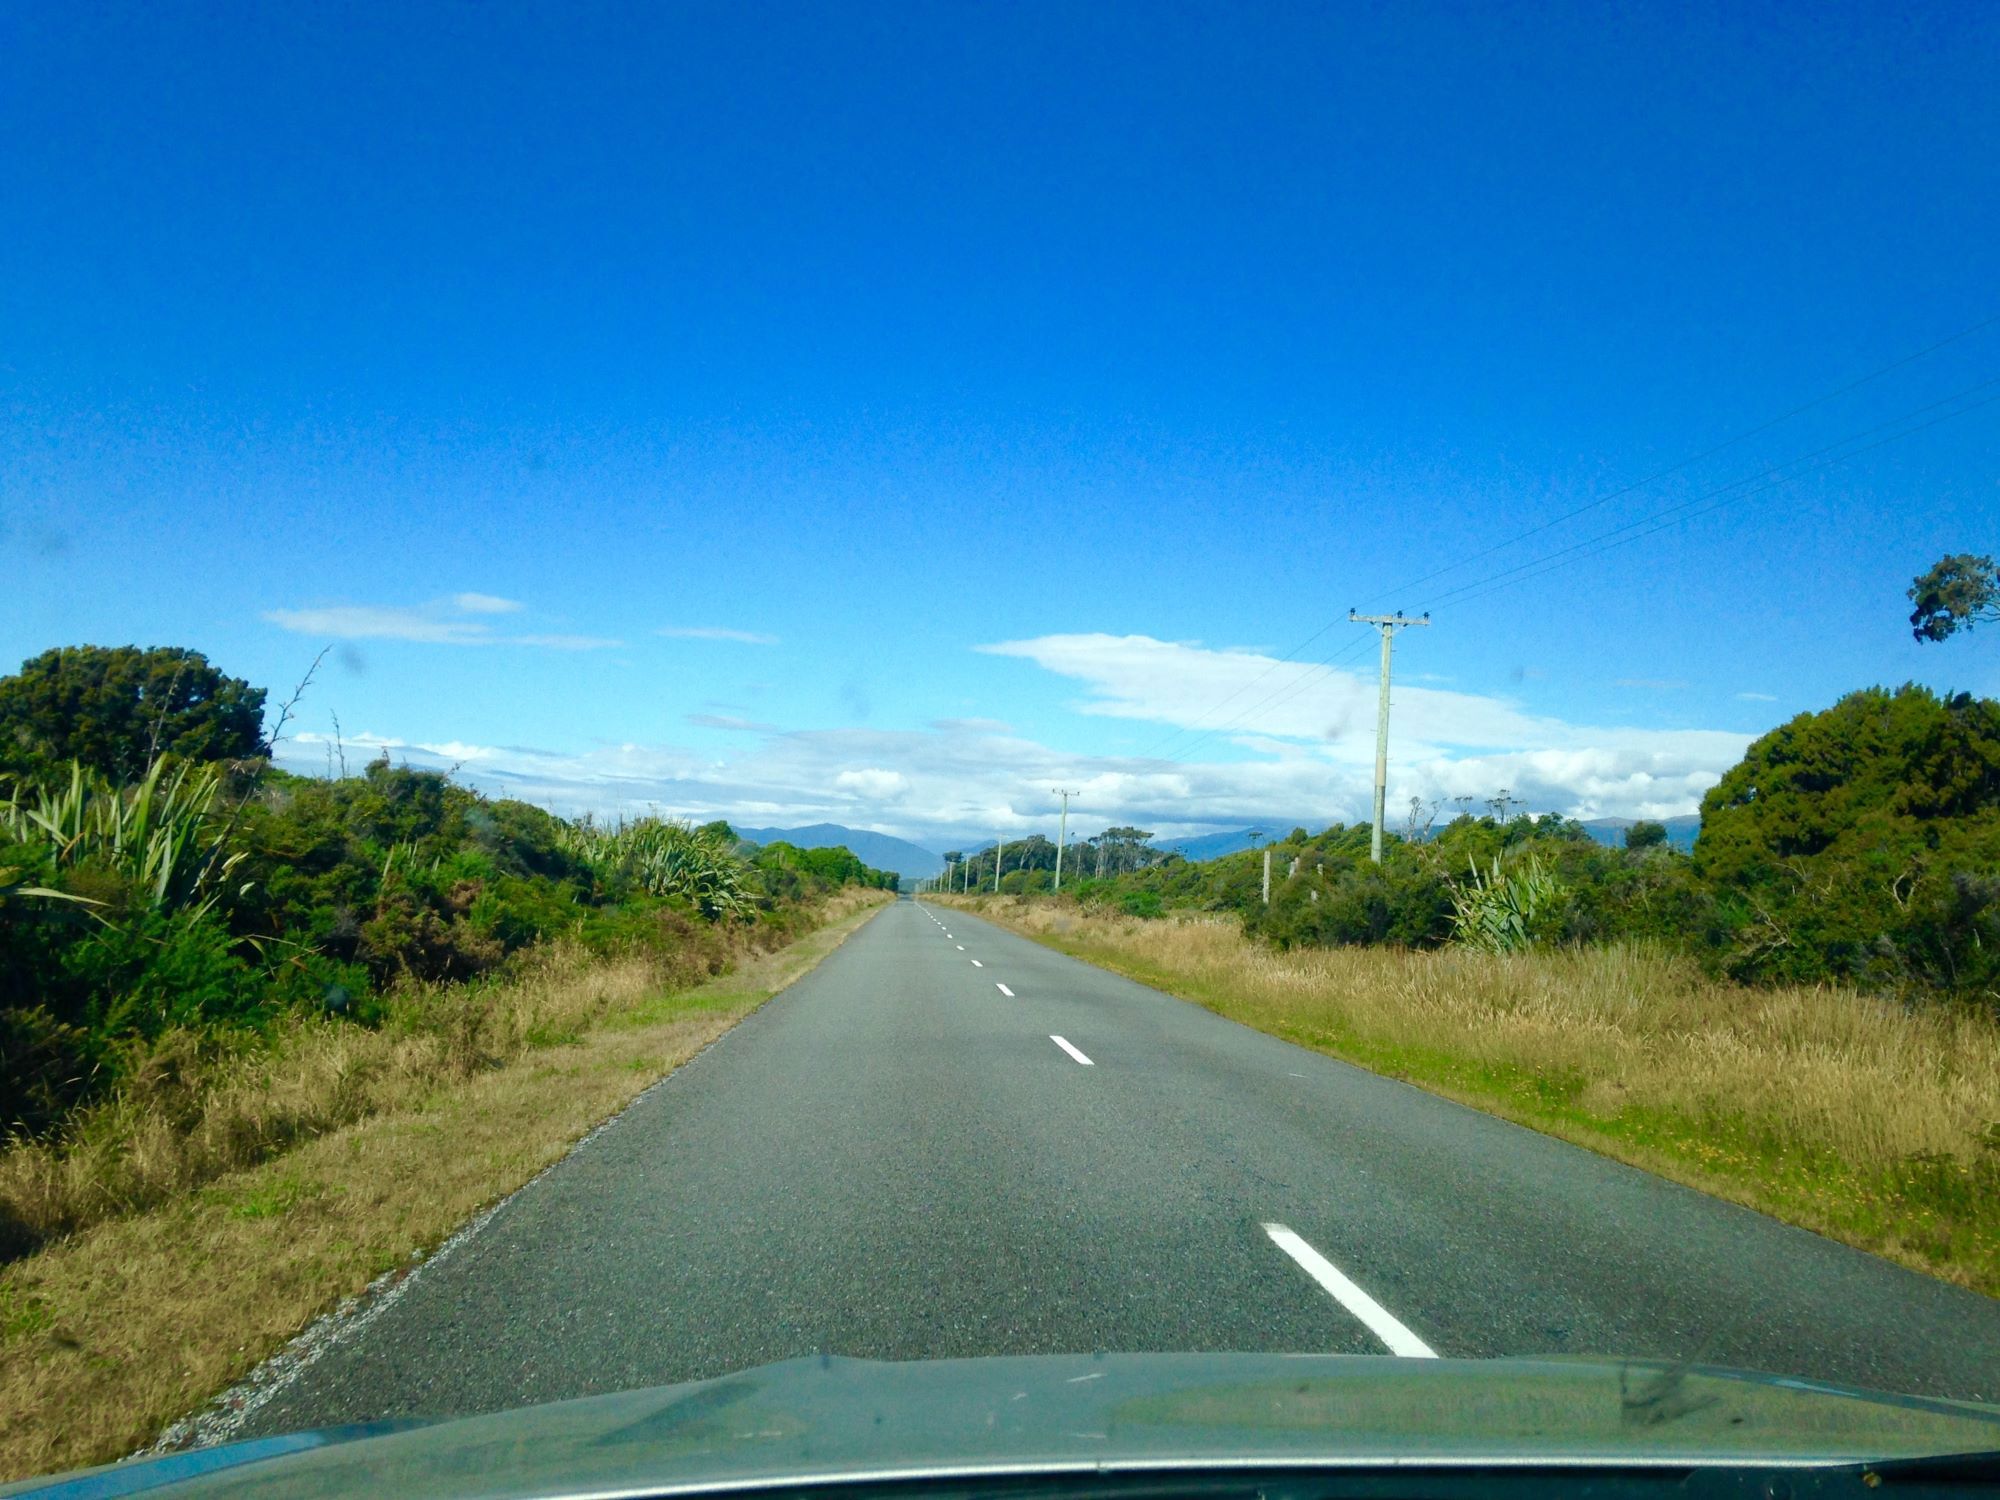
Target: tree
1126,847
1645,834
116,708
1858,843
1959,592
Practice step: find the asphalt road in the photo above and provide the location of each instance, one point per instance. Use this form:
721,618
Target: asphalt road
898,1159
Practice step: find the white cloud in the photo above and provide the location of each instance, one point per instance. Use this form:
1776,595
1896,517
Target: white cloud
486,604
1180,685
559,642
716,633
929,784
971,779
361,622
730,721
873,784
1323,717
439,623
1758,697
362,741
459,750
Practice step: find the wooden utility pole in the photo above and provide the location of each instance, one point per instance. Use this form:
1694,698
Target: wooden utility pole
1388,625
1062,834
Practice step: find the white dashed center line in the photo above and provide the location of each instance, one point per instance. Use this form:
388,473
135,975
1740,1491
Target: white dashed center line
977,964
961,947
1399,1339
1003,989
1060,1042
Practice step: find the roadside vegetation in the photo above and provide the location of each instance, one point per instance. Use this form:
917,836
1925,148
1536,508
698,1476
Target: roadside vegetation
1849,1113
110,1334
1803,1014
265,1037
205,960
1858,846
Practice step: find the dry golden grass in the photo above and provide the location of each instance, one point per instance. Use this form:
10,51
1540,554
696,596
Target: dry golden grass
1842,1111
193,1108
110,1333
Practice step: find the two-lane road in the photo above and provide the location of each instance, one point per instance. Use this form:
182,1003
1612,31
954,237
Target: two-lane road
949,1141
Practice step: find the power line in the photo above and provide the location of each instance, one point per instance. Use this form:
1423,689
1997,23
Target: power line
1751,479
1153,749
1590,546
1707,453
1559,560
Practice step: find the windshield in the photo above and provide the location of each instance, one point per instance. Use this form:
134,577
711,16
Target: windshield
685,687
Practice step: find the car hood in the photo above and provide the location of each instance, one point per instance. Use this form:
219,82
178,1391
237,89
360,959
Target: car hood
828,1419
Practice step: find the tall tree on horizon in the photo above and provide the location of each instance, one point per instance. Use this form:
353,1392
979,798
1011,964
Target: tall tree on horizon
115,708
1959,592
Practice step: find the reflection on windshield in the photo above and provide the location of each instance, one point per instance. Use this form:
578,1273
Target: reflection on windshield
683,691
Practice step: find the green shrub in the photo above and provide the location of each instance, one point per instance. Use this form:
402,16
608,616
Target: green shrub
210,899
1508,911
154,971
118,710
1859,843
47,1067
1140,903
1399,901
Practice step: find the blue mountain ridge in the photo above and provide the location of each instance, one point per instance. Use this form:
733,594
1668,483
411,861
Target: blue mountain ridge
880,851
886,852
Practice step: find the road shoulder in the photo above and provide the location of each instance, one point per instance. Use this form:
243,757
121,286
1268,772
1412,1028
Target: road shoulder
1933,1216
116,1332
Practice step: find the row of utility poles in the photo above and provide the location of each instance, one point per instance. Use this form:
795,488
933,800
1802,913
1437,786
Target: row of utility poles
1000,852
1388,625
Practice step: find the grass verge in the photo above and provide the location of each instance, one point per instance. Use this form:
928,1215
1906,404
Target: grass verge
109,1334
1838,1111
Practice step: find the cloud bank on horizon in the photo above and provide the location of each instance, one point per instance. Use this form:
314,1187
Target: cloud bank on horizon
1288,742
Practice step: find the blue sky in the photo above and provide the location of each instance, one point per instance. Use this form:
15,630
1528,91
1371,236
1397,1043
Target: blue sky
883,414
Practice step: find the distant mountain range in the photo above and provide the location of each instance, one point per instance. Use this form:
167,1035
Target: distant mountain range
1215,845
1611,831
879,851
1607,831
912,861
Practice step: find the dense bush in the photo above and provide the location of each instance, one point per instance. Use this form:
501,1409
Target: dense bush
1140,903
1400,901
785,869
216,898
118,709
1864,842
1860,844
